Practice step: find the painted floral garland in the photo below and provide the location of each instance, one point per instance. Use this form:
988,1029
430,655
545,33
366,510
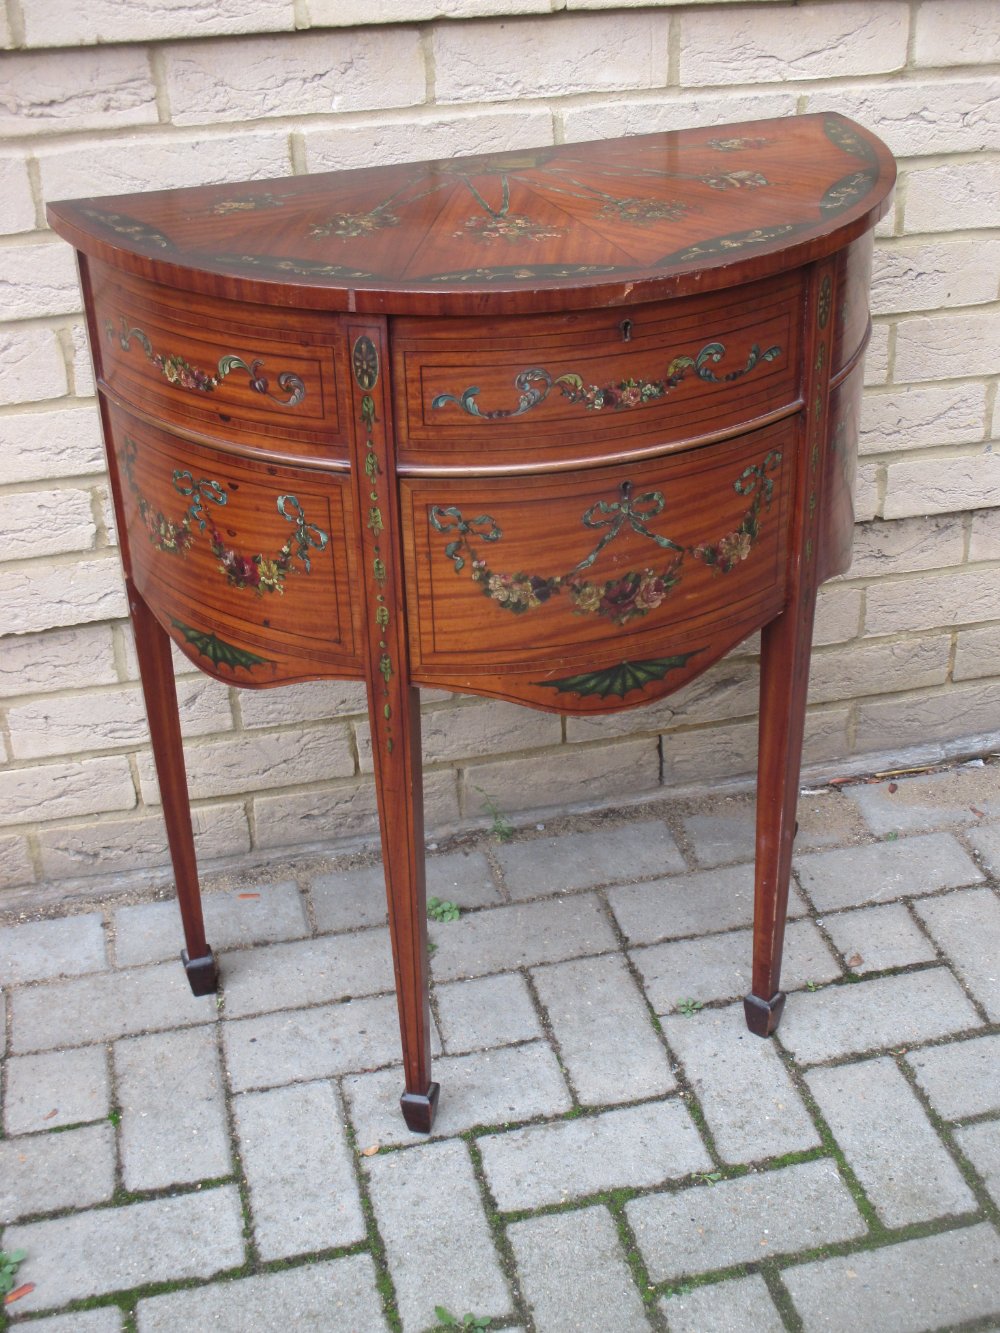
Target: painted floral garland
176,536
627,596
534,385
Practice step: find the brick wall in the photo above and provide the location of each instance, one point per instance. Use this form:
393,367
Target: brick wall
121,95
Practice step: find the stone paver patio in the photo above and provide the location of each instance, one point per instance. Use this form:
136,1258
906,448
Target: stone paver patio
613,1150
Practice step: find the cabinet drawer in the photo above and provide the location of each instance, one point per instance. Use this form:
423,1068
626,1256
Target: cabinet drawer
226,370
545,574
248,564
572,388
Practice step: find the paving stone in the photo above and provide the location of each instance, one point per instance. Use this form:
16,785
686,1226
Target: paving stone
749,1100
737,1306
602,1026
55,1089
303,1195
889,1143
717,967
500,939
932,800
284,976
347,899
985,842
967,927
750,1218
887,1011
105,1006
485,1012
693,904
939,1280
340,1296
312,1043
173,1125
488,1088
962,1078
437,1239
106,1319
981,1144
151,932
43,1172
630,1147
537,867
113,1249
873,939
879,872
572,1265
65,947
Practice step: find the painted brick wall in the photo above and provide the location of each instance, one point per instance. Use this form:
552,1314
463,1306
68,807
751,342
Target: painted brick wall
120,95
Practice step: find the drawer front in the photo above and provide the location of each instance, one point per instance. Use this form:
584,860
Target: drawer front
248,564
574,388
227,370
539,577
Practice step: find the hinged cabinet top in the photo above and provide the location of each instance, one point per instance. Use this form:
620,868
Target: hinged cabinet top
552,228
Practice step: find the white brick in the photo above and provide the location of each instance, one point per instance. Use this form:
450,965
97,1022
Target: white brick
971,711
984,541
884,668
41,663
957,32
918,418
304,74
606,120
838,614
915,119
877,355
45,523
37,280
354,13
127,846
31,366
301,703
36,446
563,777
258,762
59,791
730,749
163,162
15,865
52,23
772,43
483,727
898,605
45,596
554,56
907,545
83,366
866,492
978,653
942,485
76,90
951,196
15,189
936,347
433,135
108,719
923,275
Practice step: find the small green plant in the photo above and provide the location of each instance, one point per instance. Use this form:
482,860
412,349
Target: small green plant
440,909
684,1289
115,1116
447,1320
710,1177
891,837
812,985
502,829
689,1007
9,1264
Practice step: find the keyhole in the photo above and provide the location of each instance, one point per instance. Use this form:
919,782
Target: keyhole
626,328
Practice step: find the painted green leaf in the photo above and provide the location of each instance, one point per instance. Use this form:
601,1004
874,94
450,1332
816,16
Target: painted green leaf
218,652
621,679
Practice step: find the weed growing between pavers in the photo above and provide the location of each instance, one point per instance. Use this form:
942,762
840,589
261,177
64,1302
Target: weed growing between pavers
497,1226
376,1246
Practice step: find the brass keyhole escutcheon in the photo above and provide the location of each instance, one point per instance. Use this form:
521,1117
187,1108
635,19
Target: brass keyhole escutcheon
626,328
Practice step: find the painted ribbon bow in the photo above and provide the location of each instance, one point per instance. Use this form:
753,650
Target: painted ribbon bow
623,510
197,492
306,534
449,519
